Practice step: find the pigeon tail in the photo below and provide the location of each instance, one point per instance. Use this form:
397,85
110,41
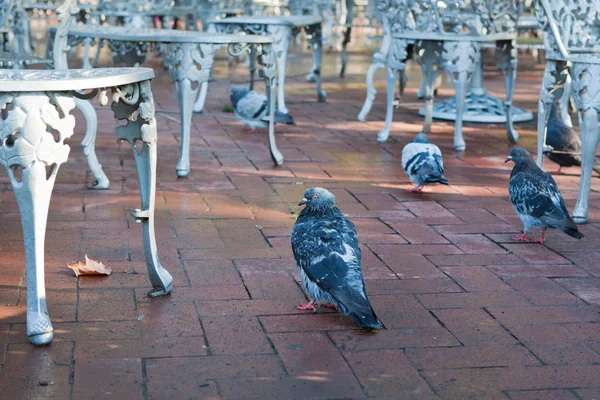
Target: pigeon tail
281,118
368,322
436,178
572,232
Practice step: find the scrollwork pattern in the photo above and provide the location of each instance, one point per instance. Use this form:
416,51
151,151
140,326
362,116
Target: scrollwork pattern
190,60
586,88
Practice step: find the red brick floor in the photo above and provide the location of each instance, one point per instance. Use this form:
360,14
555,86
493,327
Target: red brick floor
470,313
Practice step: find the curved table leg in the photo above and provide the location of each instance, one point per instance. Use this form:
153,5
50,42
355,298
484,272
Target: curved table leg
347,33
429,59
32,156
460,60
547,95
183,60
281,45
506,53
396,60
201,100
378,63
89,144
314,37
585,91
564,102
267,72
143,130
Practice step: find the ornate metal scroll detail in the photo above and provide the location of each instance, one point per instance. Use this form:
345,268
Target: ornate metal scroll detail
585,85
460,57
191,61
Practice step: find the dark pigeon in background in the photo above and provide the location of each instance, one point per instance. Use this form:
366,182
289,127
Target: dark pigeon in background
326,250
562,138
422,162
536,198
251,107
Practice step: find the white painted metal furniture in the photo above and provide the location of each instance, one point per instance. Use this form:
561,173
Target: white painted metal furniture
189,56
281,29
570,29
450,34
35,123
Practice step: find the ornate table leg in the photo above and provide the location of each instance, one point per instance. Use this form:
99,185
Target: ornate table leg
586,91
32,156
89,144
347,33
428,54
396,59
313,36
506,53
281,43
460,60
564,101
554,76
127,101
267,72
182,60
379,62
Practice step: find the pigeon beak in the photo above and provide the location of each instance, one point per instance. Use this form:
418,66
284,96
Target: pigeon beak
303,202
509,158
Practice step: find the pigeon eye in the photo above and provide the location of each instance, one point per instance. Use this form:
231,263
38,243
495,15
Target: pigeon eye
315,197
518,154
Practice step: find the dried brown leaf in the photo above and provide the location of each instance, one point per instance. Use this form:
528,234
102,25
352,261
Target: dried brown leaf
90,267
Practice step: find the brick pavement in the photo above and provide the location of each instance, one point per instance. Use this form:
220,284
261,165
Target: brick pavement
470,313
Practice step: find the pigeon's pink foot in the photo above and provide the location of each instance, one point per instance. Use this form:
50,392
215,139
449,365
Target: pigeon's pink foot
557,172
309,306
522,238
540,239
329,305
249,130
417,189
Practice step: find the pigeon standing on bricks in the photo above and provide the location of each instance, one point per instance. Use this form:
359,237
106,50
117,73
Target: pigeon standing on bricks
251,107
326,250
422,162
562,138
536,198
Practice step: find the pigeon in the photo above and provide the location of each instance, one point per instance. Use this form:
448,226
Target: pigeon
326,250
536,198
562,138
422,162
251,107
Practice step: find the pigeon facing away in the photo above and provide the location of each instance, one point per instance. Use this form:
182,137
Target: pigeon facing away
422,162
562,138
251,107
536,198
326,250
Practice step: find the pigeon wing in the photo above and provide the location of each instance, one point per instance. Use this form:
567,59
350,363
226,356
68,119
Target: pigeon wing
252,106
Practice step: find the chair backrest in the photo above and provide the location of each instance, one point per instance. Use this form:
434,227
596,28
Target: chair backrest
451,17
7,13
569,26
134,7
66,14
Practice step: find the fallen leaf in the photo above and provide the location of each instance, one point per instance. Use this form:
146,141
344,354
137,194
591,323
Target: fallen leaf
90,267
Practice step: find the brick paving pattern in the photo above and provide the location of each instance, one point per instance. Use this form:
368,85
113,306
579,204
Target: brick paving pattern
470,314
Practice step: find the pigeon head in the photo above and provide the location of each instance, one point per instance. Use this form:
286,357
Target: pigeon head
519,156
318,199
237,92
421,138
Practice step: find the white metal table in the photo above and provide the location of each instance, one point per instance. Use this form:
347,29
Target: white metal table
281,29
189,56
36,121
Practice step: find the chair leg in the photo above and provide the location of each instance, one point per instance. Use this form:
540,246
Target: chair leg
143,130
396,59
379,62
506,53
281,45
266,61
89,144
586,92
33,158
460,60
564,102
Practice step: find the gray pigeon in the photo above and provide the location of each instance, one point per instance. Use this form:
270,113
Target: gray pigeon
536,198
422,162
326,250
251,107
562,138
